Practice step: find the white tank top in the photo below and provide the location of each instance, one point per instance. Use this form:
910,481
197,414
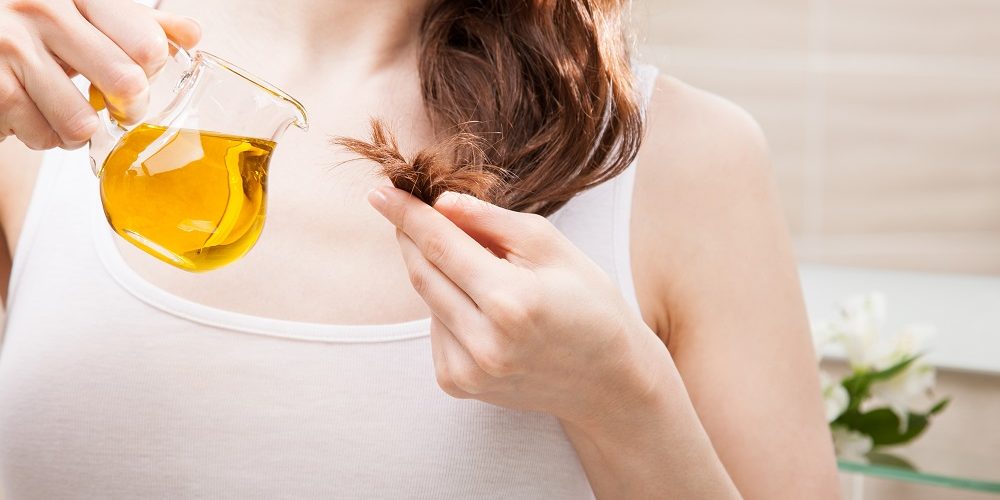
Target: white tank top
112,388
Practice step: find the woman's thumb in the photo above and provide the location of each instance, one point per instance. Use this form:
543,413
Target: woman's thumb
503,231
184,31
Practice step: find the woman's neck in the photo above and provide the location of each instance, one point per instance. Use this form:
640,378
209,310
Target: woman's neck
368,36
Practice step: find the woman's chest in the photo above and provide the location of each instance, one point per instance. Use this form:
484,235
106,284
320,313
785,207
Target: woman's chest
324,254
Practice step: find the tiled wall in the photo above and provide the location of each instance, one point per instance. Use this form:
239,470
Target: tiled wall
883,116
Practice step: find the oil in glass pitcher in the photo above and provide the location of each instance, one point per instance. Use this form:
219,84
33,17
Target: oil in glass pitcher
196,212
188,185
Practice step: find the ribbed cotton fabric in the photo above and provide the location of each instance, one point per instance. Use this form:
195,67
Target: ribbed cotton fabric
112,388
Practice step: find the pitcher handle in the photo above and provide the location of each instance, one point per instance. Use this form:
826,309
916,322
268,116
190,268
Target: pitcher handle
111,130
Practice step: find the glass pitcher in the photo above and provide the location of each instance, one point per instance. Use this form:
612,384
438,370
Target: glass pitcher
188,183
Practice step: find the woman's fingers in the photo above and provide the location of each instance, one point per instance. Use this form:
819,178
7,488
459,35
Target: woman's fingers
524,239
130,26
464,261
23,120
91,53
441,372
448,303
133,46
59,101
184,31
459,375
116,44
444,297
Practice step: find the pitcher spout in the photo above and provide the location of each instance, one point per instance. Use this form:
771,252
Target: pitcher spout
299,118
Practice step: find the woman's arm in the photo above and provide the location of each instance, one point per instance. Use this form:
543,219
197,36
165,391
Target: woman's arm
653,448
717,278
523,319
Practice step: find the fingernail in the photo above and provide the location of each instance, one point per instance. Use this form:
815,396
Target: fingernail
449,197
377,198
196,24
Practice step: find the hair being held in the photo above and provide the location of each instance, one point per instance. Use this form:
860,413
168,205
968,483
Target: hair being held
533,101
456,164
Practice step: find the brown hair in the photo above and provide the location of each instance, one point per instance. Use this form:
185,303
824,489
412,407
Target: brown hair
536,98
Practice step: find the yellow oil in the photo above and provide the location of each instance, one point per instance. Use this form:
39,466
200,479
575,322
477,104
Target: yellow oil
193,199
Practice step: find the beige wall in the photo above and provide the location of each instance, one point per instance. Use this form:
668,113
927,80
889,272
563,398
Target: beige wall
883,117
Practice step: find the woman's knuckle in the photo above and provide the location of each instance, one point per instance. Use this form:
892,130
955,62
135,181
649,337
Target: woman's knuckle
151,51
10,94
508,309
50,140
475,208
436,249
80,126
15,41
39,141
443,378
34,9
418,280
468,378
536,224
495,360
129,82
448,385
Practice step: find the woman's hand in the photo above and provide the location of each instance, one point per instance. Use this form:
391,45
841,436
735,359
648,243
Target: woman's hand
521,317
116,44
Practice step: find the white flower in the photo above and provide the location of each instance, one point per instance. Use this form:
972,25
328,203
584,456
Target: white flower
910,342
864,312
859,329
907,386
849,444
900,391
835,397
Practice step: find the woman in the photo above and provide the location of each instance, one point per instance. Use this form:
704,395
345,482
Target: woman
645,340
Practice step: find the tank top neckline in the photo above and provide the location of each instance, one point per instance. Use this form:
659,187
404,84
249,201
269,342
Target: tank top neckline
159,298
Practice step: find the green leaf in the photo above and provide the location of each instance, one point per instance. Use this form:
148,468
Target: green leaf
859,384
895,369
939,407
882,424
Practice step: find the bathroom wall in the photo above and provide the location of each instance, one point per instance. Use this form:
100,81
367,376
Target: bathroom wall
883,117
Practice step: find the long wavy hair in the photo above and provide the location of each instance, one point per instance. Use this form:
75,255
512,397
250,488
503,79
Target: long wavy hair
533,102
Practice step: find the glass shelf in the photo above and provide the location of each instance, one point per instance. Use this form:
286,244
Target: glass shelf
950,468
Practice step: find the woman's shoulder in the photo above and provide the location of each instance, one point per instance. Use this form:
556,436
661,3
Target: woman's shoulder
695,133
701,152
703,175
